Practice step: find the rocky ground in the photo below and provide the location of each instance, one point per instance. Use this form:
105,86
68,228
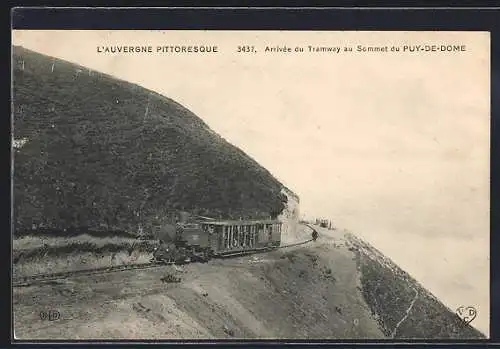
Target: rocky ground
324,289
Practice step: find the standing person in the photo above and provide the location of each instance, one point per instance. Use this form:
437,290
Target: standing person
314,235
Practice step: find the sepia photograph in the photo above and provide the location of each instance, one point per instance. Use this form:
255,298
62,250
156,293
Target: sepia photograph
242,185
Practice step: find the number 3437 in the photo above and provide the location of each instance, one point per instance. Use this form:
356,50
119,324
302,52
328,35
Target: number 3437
246,49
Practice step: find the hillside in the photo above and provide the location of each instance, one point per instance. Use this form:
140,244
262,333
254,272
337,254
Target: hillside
100,153
337,287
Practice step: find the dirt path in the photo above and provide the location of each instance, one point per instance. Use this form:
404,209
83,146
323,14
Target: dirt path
406,314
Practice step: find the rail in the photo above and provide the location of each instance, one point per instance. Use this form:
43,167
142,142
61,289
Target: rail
23,281
260,250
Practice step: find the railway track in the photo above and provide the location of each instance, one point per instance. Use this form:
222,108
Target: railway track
261,250
28,280
296,244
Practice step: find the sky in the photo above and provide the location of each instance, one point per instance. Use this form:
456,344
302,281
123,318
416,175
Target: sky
391,145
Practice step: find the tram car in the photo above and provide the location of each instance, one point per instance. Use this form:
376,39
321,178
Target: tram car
205,239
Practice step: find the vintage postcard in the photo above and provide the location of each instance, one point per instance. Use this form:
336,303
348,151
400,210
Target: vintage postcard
211,185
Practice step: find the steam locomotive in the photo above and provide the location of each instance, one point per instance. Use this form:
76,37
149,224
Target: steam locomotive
205,239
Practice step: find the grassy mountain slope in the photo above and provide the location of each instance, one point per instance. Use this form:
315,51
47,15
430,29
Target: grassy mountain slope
104,152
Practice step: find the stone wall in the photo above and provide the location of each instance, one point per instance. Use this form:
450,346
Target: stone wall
290,217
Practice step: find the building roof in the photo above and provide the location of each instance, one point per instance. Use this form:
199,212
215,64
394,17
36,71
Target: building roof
242,222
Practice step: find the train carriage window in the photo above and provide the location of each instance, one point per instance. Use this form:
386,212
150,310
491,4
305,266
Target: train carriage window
247,237
251,235
242,234
236,236
237,233
225,239
220,234
231,233
231,236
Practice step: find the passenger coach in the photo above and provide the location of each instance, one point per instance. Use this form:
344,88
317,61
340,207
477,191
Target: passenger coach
240,235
